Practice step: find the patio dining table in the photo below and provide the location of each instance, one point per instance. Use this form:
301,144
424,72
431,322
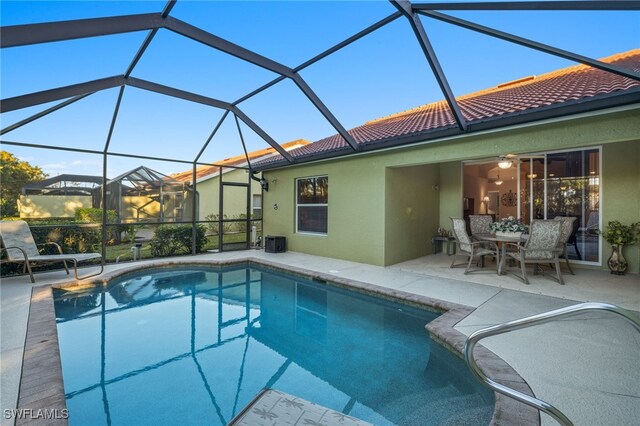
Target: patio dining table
502,240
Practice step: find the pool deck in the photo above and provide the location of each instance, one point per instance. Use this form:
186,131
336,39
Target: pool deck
587,366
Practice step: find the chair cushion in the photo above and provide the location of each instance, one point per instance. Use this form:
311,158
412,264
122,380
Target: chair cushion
480,224
460,232
16,233
539,255
53,257
566,229
543,239
483,252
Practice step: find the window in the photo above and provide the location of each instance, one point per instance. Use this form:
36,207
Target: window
312,204
257,206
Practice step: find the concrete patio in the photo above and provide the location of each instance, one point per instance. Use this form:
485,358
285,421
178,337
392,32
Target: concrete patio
586,366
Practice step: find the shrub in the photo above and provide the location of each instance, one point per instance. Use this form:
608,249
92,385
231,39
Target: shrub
73,239
241,226
617,233
213,228
172,240
227,227
91,215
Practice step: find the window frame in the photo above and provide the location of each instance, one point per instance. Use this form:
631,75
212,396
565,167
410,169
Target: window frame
298,205
254,207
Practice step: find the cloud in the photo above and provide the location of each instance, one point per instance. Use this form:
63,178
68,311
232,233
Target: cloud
56,166
76,167
86,163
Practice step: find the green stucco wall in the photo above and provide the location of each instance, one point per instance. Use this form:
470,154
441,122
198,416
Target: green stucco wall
367,209
450,192
412,209
356,210
235,201
621,193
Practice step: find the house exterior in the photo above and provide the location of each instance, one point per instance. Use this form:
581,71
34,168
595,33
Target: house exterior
138,195
58,196
573,136
234,170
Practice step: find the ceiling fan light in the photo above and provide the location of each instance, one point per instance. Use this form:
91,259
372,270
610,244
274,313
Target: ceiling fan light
504,163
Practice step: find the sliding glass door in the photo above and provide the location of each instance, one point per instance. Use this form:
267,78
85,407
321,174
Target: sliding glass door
565,184
543,186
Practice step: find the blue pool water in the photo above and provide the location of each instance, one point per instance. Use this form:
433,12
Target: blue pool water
195,345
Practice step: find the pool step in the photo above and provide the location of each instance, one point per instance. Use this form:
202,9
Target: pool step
271,406
467,409
434,403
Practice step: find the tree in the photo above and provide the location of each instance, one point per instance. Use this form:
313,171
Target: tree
14,174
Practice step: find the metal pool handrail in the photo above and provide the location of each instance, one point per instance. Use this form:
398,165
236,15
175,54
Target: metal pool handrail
528,322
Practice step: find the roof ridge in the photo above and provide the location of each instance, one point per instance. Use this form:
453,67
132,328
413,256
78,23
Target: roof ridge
580,67
405,112
211,169
519,82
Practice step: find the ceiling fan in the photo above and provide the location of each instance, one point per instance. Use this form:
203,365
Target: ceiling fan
506,161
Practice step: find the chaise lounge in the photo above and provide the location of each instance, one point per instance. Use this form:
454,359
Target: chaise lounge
18,243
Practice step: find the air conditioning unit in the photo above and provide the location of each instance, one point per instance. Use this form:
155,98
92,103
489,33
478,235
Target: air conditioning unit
274,244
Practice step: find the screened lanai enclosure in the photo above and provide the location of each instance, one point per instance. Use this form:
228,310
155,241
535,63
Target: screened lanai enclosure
144,195
139,195
146,90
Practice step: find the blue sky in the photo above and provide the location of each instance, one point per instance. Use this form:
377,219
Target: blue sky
383,73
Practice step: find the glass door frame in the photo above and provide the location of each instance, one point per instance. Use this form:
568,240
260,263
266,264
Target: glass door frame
518,162
581,149
519,185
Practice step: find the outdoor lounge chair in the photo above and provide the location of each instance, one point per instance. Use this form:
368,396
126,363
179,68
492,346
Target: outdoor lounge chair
465,247
541,247
20,247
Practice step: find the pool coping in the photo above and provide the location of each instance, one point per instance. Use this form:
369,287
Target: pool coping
41,389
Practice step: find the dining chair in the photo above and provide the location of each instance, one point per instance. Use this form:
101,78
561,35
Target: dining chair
480,224
565,234
471,249
540,248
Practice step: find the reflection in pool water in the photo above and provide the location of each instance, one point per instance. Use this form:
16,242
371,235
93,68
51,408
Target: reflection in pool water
195,345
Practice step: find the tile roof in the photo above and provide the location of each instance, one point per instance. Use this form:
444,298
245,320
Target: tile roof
237,161
529,94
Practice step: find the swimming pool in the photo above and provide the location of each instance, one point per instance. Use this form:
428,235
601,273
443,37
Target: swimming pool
194,345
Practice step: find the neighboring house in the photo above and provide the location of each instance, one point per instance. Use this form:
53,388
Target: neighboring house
58,196
139,195
572,137
145,195
234,171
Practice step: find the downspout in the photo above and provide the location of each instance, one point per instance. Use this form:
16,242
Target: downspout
262,181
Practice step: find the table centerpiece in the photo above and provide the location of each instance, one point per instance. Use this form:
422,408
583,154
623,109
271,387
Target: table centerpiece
509,227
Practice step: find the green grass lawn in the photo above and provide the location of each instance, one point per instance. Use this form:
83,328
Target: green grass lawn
125,253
